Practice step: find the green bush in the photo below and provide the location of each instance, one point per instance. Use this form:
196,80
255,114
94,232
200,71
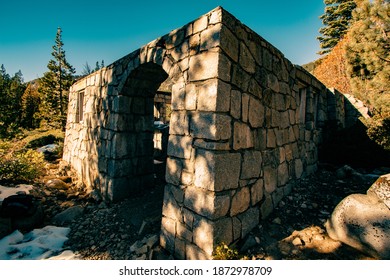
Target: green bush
20,166
378,129
224,252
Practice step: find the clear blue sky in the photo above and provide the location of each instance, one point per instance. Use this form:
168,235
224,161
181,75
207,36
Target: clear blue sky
107,30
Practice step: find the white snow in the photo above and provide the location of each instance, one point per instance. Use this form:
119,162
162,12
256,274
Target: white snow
65,255
6,191
39,244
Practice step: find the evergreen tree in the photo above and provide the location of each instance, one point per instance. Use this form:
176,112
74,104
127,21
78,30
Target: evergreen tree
336,20
55,85
17,89
11,91
4,96
368,64
88,69
97,67
31,100
368,54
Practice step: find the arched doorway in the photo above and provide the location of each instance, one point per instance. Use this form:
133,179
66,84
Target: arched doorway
147,127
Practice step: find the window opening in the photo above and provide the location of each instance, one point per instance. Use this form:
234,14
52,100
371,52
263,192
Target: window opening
80,107
302,105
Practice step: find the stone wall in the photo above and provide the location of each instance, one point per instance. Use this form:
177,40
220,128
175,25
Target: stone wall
266,124
344,110
245,125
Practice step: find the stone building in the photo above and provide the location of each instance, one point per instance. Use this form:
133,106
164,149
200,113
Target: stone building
245,124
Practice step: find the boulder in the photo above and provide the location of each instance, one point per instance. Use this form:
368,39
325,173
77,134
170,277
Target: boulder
363,221
380,190
28,223
50,151
56,184
248,242
19,205
23,211
348,172
68,215
5,227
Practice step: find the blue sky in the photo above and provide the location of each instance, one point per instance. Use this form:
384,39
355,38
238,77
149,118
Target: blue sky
107,30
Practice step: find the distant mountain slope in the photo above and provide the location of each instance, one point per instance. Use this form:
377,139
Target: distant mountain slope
312,65
331,69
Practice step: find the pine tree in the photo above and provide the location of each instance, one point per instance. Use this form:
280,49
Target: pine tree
55,85
4,96
88,69
31,100
97,67
368,54
368,65
11,91
17,89
336,20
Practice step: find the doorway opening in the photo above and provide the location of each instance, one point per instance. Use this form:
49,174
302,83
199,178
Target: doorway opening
162,116
149,89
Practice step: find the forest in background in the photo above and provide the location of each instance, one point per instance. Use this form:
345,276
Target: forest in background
355,42
41,103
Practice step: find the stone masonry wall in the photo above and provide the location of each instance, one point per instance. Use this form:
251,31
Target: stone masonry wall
245,125
268,116
344,110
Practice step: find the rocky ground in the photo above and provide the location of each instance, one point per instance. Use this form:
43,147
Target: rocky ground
295,230
129,229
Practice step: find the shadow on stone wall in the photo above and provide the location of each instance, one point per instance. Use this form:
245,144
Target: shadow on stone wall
346,141
352,146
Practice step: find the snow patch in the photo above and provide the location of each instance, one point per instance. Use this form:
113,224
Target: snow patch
39,244
7,191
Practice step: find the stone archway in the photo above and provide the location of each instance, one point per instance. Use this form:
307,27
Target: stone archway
134,143
130,168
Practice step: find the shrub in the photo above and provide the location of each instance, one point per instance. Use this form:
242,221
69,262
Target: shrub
17,166
224,252
378,129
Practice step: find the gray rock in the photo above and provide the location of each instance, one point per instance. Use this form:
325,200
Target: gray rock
142,250
95,195
56,184
152,241
381,189
160,254
68,215
142,228
50,151
5,227
250,242
141,258
348,172
29,222
277,221
136,245
363,221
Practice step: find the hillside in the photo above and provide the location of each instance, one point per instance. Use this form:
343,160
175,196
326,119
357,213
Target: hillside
331,70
